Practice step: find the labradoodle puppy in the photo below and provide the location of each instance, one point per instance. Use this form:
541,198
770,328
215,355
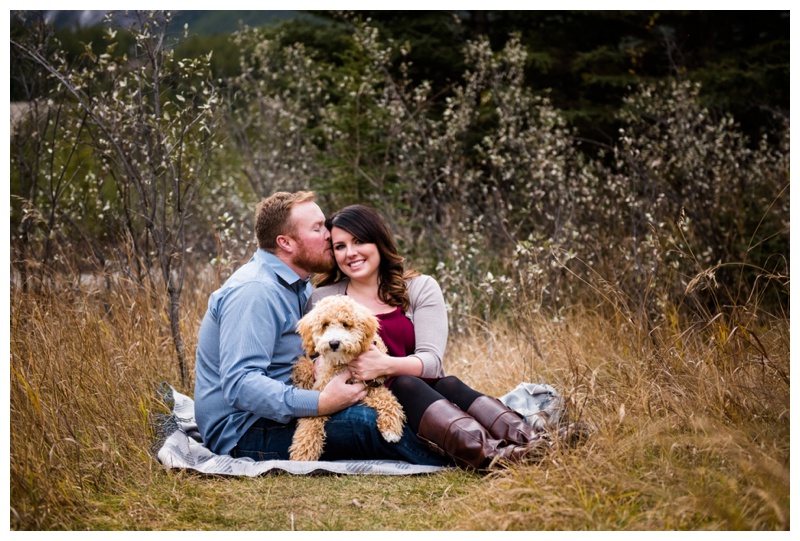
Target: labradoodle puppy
338,329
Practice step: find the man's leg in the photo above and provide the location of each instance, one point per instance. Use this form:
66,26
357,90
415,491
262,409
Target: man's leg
352,434
266,440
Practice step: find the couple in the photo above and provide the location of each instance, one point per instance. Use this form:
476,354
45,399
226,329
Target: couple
245,405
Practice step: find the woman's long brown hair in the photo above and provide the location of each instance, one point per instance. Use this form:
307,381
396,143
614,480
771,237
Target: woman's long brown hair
367,226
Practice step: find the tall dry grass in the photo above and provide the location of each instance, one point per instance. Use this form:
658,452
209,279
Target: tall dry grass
84,366
691,420
691,423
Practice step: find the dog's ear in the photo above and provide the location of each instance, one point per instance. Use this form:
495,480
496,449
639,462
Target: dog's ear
369,327
305,328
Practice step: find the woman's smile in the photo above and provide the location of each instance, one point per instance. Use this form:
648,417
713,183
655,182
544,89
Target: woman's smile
358,260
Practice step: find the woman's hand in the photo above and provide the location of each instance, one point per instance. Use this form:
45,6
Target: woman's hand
371,364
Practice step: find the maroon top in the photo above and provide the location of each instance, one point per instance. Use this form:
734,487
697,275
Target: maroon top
397,333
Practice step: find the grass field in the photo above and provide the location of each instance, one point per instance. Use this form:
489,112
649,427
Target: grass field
692,428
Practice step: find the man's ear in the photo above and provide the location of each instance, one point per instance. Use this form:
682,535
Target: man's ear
285,243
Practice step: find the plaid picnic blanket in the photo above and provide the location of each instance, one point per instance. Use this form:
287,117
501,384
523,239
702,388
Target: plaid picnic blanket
180,446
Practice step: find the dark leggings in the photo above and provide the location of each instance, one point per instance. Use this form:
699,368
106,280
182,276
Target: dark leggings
415,395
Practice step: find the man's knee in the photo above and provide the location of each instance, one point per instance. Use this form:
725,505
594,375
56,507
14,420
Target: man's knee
357,416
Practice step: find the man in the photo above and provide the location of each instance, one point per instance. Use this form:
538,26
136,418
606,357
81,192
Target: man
245,405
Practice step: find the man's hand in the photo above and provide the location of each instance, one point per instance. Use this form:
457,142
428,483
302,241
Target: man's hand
338,394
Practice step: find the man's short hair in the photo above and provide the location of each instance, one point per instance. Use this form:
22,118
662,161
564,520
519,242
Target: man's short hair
273,217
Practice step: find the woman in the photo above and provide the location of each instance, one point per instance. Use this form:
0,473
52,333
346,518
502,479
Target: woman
473,429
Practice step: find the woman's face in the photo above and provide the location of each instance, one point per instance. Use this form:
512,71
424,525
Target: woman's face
360,261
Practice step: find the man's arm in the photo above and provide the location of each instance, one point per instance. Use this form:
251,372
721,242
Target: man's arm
252,321
251,324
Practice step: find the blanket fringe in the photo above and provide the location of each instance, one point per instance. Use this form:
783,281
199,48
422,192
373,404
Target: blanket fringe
163,424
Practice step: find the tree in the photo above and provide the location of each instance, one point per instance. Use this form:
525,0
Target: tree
150,122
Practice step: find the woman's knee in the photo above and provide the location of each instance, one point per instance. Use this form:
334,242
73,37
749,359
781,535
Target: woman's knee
407,386
449,385
407,381
458,392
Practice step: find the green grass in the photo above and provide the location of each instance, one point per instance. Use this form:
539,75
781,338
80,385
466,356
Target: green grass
188,501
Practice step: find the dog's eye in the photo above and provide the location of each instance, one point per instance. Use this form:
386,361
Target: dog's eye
346,325
325,324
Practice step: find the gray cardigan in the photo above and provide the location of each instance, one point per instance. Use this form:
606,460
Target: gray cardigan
426,311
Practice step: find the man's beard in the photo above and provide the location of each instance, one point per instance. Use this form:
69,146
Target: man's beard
313,262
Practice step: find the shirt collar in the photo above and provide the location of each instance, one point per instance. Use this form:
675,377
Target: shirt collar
282,270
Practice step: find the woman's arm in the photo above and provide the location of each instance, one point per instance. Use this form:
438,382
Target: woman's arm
429,317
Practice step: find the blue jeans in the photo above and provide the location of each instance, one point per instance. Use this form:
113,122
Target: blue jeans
350,434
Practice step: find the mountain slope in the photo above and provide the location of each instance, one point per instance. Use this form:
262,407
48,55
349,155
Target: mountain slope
201,22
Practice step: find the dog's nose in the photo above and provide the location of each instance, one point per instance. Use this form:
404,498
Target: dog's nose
334,344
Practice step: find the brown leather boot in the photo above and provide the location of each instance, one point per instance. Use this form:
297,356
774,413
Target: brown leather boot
454,433
502,422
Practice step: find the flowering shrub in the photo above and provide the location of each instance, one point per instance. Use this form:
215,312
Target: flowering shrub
483,182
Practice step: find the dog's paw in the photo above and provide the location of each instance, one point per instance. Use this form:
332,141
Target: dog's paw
303,456
305,451
392,437
303,375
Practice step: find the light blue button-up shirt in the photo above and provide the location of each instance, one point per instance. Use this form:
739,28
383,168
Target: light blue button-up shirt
246,349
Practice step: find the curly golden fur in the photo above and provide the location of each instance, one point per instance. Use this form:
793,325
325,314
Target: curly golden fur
338,329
